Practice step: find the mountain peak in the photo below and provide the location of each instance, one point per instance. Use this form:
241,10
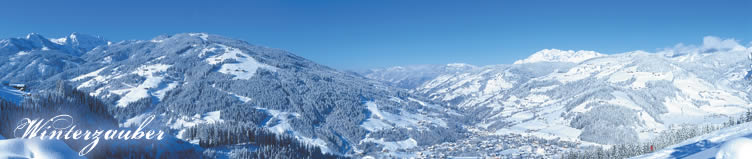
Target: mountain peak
203,36
556,55
82,42
459,65
31,36
75,43
35,37
36,41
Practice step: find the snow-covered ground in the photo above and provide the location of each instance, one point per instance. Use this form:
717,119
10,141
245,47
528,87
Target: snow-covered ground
279,123
732,142
35,148
241,98
244,66
735,149
394,145
183,122
186,122
149,87
154,84
379,120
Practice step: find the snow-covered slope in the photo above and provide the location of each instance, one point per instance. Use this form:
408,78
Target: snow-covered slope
185,77
409,77
606,99
35,148
732,142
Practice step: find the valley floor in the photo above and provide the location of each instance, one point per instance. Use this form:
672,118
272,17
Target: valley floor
483,144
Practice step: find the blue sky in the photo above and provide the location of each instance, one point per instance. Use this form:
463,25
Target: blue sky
366,34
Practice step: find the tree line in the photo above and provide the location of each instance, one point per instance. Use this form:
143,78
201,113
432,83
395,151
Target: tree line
663,140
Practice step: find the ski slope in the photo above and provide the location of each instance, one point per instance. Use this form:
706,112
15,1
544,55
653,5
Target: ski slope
734,142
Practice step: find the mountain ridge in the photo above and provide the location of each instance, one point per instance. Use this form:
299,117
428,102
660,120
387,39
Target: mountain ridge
197,78
556,55
191,79
643,92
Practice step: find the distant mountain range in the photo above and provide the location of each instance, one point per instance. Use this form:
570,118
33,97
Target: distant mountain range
592,97
35,58
197,83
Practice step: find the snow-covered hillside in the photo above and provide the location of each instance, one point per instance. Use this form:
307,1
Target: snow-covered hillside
187,79
554,96
35,148
413,76
728,143
606,99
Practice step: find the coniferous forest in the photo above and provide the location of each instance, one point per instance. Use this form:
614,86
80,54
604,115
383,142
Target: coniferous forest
91,113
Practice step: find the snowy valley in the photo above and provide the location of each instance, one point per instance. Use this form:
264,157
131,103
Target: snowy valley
589,98
202,86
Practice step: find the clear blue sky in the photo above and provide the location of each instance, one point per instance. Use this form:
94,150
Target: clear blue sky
366,34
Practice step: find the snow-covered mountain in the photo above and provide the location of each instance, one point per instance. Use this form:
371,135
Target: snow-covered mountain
80,43
409,77
34,58
197,78
555,55
194,79
605,99
728,143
